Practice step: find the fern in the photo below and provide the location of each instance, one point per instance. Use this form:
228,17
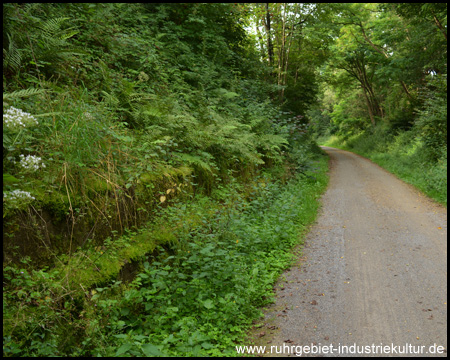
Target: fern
53,33
52,26
196,161
224,93
68,34
22,93
272,142
110,99
12,58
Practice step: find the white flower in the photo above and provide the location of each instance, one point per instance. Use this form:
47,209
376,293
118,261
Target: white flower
16,119
18,195
17,199
31,162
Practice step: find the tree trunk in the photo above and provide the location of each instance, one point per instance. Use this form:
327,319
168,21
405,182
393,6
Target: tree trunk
369,107
381,51
260,38
269,39
281,57
358,71
287,62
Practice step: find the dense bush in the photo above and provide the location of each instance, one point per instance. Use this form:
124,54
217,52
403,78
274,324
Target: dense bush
196,296
143,136
130,102
431,125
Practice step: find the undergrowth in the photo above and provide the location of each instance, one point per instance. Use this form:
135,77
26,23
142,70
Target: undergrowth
111,110
195,296
143,137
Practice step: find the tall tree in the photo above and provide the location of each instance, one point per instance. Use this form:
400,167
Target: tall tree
268,34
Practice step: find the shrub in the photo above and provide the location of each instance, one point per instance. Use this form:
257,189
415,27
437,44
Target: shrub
431,125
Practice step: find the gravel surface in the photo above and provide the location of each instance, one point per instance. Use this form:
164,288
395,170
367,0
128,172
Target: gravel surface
373,271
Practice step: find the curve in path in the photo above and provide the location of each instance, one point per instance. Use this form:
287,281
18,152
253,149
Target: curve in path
373,269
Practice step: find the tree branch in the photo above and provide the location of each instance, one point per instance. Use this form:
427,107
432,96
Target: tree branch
439,25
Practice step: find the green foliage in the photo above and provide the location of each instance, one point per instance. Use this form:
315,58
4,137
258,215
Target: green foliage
160,94
401,154
196,295
22,94
431,124
37,43
12,57
347,117
120,114
387,77
388,57
38,292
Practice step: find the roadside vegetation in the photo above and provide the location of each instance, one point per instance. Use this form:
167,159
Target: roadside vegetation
386,91
417,155
195,295
153,181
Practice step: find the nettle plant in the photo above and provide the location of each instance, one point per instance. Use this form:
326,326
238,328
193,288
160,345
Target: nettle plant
17,126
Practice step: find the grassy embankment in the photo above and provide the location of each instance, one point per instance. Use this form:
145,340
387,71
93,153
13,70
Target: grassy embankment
214,265
146,204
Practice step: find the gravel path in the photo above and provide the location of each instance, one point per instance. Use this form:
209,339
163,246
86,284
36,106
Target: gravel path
373,271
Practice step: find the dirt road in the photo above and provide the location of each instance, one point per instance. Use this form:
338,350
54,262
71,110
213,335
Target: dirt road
373,271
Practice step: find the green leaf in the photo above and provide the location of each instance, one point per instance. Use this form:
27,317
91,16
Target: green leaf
23,93
207,345
124,311
123,349
151,350
208,304
9,179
